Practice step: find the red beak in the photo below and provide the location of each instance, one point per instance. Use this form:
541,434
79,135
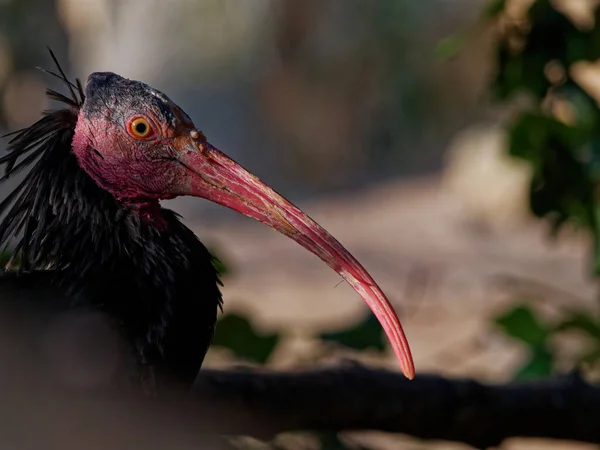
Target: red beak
214,176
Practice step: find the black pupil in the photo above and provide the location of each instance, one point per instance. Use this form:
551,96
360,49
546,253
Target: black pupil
140,127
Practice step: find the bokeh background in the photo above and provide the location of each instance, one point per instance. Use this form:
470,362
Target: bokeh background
354,110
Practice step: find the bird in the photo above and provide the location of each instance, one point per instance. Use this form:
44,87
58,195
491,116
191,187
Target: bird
91,233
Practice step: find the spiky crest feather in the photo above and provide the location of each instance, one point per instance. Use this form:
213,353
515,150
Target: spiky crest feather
43,145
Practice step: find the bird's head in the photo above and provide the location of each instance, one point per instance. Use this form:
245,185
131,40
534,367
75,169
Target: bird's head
141,147
134,141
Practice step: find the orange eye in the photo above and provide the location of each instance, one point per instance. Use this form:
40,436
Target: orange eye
140,128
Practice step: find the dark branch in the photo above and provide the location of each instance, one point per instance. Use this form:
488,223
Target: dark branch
264,404
429,407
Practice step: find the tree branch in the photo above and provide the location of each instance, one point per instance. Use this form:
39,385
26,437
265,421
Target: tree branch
429,407
262,404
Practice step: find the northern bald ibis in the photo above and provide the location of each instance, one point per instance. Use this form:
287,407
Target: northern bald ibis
90,232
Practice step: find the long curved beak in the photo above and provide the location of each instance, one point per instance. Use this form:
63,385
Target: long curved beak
214,176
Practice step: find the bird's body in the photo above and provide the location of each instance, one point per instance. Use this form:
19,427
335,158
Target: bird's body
143,269
153,278
92,235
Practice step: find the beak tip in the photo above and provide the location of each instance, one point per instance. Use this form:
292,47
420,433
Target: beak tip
408,368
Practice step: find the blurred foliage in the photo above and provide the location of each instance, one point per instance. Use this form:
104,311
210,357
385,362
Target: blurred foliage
236,333
522,324
558,134
450,46
366,334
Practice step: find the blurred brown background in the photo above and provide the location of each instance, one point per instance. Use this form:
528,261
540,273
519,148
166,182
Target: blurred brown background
341,106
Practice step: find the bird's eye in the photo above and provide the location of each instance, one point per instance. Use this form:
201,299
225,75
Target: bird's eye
139,128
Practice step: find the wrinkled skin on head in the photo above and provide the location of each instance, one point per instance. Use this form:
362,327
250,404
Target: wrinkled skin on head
133,169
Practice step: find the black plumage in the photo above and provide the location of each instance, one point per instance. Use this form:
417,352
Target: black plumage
158,286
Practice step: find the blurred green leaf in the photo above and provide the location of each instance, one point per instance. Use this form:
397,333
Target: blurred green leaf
553,36
520,73
364,335
585,113
522,324
236,333
556,133
532,136
219,263
449,47
221,267
582,322
539,365
494,9
560,189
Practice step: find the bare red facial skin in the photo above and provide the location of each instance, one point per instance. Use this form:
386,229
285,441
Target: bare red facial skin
212,175
133,170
